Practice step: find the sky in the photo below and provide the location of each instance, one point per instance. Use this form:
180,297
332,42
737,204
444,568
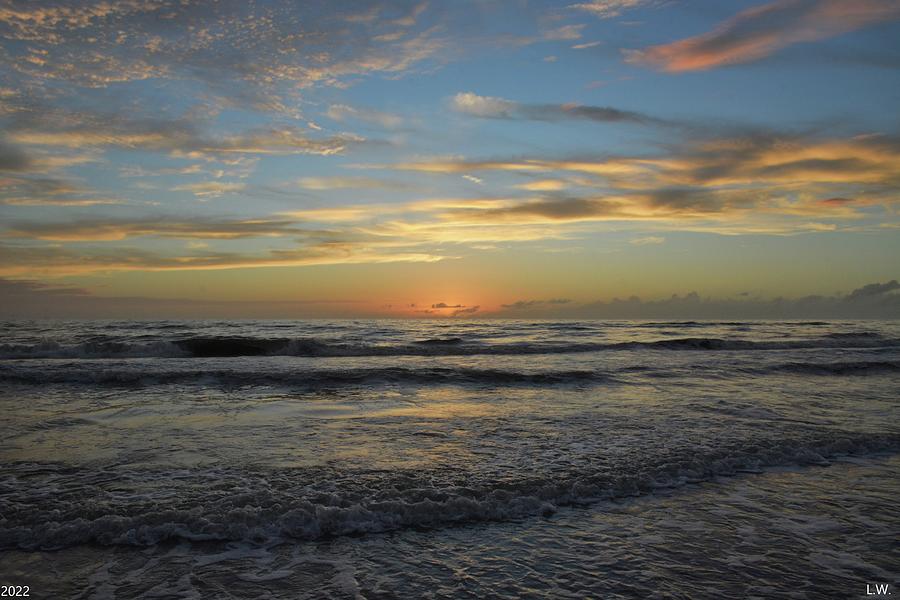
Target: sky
475,158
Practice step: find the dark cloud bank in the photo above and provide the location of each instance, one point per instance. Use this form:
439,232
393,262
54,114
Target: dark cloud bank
692,306
873,301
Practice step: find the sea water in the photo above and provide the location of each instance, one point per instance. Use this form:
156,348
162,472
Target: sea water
449,459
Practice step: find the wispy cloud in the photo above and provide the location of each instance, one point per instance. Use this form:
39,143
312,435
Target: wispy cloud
488,107
342,112
763,30
650,240
59,201
787,159
607,9
167,227
339,183
756,184
564,33
211,189
29,190
26,261
544,185
185,137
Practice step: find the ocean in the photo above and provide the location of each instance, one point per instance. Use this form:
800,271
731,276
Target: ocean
449,459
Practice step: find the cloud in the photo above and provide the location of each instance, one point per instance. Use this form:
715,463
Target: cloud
874,289
607,9
458,310
215,68
184,136
529,304
38,261
165,227
13,158
471,310
763,30
435,227
876,301
247,53
717,211
545,209
341,213
26,21
295,239
649,240
194,169
488,107
40,186
449,229
339,183
48,191
484,106
758,182
544,185
59,201
342,112
211,189
564,33
442,305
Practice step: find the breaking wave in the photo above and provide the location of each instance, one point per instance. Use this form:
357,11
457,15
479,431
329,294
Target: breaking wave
264,507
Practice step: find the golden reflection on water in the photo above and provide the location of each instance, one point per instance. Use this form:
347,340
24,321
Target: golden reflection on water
133,427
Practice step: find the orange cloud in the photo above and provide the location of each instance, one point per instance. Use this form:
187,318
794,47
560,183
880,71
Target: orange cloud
760,31
743,161
29,261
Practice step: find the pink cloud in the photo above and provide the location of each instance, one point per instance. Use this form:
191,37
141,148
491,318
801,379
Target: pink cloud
760,31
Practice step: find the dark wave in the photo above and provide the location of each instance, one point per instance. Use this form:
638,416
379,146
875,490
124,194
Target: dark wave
863,367
440,342
677,324
315,378
206,347
703,343
851,335
145,375
315,503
